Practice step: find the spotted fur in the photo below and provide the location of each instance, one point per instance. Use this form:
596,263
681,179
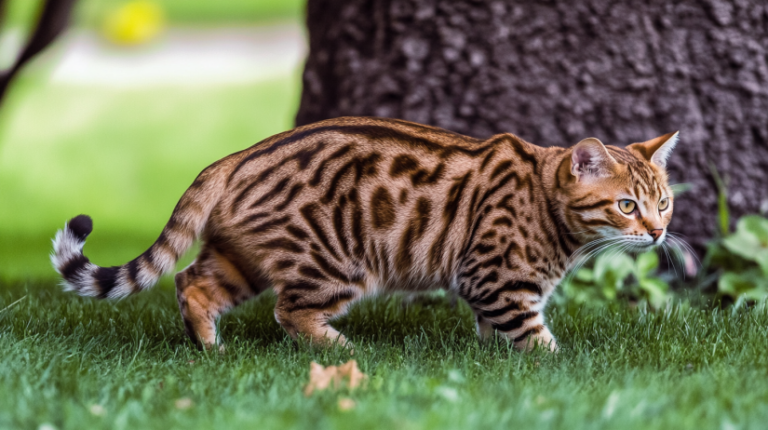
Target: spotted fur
329,213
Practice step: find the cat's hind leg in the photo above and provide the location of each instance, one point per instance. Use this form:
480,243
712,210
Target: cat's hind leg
205,290
304,308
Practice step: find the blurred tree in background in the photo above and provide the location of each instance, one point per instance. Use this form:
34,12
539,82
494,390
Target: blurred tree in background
53,19
123,22
558,71
118,116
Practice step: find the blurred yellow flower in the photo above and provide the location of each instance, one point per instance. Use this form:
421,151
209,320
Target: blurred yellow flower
134,22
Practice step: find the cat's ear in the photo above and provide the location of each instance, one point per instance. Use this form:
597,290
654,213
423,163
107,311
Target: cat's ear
657,150
590,159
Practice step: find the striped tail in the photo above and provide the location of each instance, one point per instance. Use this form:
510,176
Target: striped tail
186,224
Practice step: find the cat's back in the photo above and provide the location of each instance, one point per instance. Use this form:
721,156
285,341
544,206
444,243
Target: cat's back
325,161
347,137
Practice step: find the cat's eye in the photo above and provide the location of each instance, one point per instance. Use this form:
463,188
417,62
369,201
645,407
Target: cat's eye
627,206
664,203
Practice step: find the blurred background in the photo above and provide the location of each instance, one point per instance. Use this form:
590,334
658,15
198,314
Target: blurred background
117,117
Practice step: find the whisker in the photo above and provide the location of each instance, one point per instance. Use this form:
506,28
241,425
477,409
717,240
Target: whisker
670,260
588,251
681,249
626,244
682,243
589,245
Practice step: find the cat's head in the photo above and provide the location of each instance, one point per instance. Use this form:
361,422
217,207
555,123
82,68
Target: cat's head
618,195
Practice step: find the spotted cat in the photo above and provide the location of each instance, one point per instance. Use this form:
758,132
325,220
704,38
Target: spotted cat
332,212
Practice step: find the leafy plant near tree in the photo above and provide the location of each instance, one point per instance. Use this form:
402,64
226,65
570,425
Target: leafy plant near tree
616,276
738,259
741,259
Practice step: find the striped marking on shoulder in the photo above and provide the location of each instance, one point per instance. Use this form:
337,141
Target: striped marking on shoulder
487,159
521,149
501,168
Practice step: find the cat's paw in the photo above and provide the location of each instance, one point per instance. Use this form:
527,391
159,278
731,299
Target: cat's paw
542,339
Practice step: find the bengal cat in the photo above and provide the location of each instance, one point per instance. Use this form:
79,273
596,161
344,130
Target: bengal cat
332,212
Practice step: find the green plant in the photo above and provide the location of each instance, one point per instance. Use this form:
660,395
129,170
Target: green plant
617,275
742,257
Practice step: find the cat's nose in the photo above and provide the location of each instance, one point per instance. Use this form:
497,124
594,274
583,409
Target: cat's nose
656,233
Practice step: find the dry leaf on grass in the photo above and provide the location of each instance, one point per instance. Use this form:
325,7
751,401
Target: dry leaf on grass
335,377
346,404
98,410
183,403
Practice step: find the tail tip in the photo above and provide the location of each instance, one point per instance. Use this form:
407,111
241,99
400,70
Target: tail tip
81,226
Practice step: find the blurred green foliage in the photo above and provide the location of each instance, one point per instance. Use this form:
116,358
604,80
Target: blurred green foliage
616,276
737,260
23,13
203,12
123,156
742,259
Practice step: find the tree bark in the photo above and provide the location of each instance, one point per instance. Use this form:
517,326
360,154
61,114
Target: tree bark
555,72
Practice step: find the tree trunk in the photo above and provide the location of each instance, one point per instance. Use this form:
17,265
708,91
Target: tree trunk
53,20
558,71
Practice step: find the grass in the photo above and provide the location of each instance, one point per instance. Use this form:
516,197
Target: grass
679,368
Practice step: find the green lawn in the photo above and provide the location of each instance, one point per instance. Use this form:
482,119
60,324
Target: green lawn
618,368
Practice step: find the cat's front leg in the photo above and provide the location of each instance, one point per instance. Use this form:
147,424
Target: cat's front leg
484,329
513,309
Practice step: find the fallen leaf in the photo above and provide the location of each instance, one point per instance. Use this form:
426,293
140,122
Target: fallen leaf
183,403
98,410
346,404
335,377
